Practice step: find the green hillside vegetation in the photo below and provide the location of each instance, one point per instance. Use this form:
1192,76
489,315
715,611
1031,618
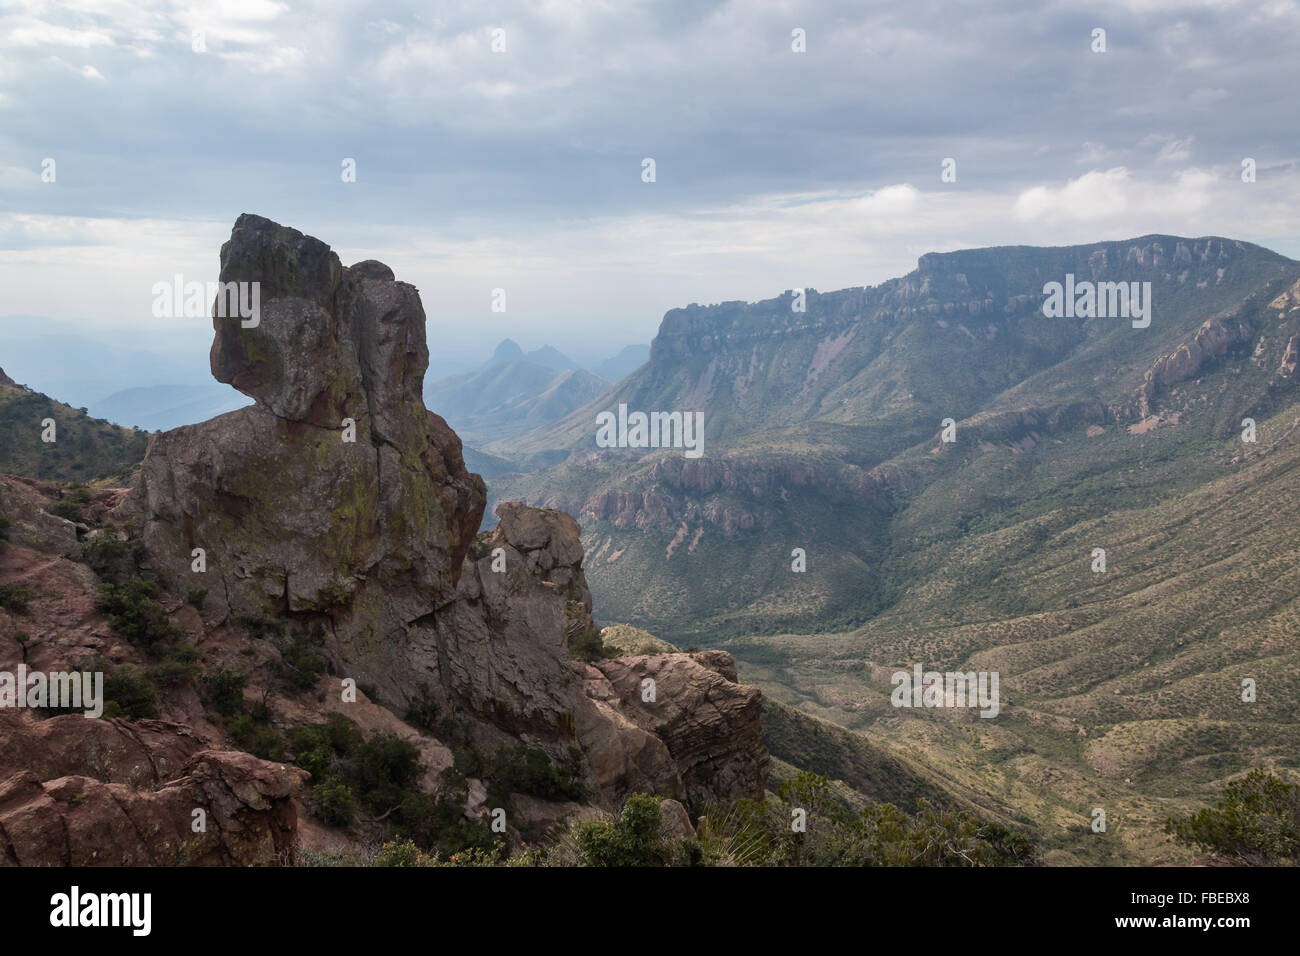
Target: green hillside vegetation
85,449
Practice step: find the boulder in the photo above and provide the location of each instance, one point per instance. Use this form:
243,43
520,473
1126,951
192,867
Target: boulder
708,722
139,805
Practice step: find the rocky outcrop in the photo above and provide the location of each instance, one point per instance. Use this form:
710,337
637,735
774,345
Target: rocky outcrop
338,504
1215,336
1291,358
708,721
139,807
337,495
22,503
5,379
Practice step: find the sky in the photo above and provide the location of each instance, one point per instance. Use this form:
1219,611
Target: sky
503,145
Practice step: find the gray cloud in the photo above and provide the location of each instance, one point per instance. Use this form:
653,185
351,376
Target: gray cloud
473,164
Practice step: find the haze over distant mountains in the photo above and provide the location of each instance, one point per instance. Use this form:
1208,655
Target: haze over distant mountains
158,378
515,391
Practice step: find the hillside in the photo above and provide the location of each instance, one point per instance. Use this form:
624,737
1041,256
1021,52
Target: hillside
817,423
1121,689
84,449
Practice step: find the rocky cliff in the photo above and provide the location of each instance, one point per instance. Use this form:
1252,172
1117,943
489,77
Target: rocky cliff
338,506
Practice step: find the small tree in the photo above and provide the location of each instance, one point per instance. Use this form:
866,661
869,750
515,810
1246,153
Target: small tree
1257,821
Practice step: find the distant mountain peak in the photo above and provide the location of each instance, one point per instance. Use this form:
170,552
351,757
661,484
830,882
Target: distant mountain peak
507,351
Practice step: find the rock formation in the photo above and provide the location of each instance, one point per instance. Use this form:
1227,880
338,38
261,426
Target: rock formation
339,503
139,806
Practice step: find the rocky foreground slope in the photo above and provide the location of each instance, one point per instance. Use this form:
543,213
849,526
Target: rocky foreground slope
335,513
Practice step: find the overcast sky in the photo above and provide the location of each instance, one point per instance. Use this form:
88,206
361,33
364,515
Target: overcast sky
522,169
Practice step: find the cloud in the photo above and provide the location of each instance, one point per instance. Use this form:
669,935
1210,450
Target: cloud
480,169
1093,196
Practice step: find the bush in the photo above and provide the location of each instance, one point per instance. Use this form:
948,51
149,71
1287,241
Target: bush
259,629
257,737
196,598
439,825
134,614
383,770
588,646
111,558
318,747
178,668
14,597
300,665
759,833
530,770
402,853
224,691
129,694
634,839
65,508
1257,821
331,801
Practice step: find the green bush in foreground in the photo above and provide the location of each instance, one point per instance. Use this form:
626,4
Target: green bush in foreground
635,838
1257,821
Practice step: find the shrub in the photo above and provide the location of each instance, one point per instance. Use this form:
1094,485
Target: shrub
1257,821
422,710
224,691
318,747
634,839
179,667
196,598
129,694
300,665
402,853
588,646
381,776
759,832
66,508
439,824
383,770
111,558
259,629
530,770
14,597
134,614
331,801
257,737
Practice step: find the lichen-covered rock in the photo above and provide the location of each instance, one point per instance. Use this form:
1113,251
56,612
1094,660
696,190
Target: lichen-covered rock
364,536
